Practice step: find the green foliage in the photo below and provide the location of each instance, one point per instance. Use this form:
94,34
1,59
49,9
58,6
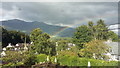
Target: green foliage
62,45
82,36
97,47
113,36
13,58
101,30
67,52
41,43
30,60
41,58
13,37
77,61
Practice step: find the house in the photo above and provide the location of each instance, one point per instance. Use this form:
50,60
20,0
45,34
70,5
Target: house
114,52
17,47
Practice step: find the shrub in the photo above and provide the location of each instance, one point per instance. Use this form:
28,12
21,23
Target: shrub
78,61
41,58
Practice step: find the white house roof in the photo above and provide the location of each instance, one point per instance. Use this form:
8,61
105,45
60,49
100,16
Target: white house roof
4,49
114,47
9,45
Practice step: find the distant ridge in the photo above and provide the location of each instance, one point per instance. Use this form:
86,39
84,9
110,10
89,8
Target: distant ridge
53,30
20,25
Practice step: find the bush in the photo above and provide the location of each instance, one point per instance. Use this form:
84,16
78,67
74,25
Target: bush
41,58
77,61
30,60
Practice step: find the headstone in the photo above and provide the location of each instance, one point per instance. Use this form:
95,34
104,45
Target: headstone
94,56
55,60
15,49
16,45
47,58
56,43
3,53
31,43
68,48
73,44
88,64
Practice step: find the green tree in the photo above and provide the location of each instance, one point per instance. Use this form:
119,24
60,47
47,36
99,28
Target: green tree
41,42
101,30
13,37
97,47
90,24
92,27
82,36
113,36
62,45
16,58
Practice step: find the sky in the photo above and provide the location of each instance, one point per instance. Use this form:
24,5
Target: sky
70,14
59,0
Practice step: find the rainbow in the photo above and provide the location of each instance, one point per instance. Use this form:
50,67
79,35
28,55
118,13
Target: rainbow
61,30
84,20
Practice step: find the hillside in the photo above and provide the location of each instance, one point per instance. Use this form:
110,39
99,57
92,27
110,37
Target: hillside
53,30
27,27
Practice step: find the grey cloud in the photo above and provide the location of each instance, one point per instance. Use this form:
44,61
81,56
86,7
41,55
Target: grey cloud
64,13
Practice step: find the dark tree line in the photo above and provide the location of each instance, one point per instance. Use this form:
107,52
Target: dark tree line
13,37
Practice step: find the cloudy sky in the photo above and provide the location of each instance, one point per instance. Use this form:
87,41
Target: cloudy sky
61,13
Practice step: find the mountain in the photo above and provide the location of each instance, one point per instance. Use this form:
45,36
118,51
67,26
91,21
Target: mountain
20,25
53,30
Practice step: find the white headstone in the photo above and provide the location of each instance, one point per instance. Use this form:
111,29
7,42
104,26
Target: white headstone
57,53
16,45
3,53
56,43
31,43
94,55
69,44
47,58
88,64
68,48
15,49
73,44
55,60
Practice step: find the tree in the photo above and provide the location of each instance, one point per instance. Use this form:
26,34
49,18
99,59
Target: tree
5,37
41,42
92,27
82,36
30,60
16,58
101,30
90,24
13,37
97,47
113,36
62,45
